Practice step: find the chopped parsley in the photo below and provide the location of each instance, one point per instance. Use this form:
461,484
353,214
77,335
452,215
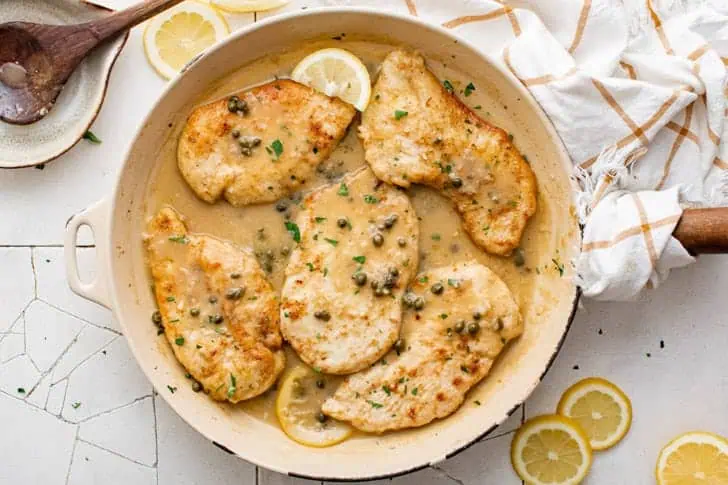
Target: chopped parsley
326,272
233,386
387,390
477,403
89,135
319,220
179,239
443,315
469,89
478,107
414,391
171,298
375,405
21,390
76,405
465,369
486,229
179,341
333,242
448,85
453,282
310,266
343,190
292,228
360,259
435,236
317,370
172,389
424,279
275,150
370,199
399,114
559,266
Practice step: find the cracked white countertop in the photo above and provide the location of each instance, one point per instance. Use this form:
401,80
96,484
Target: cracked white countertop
76,409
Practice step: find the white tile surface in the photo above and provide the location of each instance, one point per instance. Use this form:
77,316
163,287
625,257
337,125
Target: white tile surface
120,434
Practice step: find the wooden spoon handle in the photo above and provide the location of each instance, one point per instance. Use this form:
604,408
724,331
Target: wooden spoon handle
126,19
704,231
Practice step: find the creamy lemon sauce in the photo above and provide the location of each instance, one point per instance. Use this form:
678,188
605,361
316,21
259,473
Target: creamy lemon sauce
442,239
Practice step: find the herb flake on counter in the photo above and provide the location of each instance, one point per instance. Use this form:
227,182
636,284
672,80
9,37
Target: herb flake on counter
469,89
399,114
89,135
76,405
343,190
21,390
360,259
293,229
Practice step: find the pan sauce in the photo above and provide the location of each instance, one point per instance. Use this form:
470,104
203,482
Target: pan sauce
442,240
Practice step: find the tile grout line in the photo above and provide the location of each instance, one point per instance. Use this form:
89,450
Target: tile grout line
77,317
35,272
73,454
112,410
115,453
446,474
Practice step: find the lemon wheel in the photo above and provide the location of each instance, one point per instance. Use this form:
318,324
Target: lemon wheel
694,458
336,72
551,450
298,408
602,410
176,36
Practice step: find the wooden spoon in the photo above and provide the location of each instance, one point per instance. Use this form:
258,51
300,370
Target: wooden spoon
36,60
704,231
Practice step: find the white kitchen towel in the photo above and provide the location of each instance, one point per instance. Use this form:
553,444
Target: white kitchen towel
637,91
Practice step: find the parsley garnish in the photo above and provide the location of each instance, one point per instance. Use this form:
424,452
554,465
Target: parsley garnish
478,107
275,149
469,89
424,279
179,239
443,315
171,298
559,266
343,190
370,199
333,242
292,228
465,369
477,403
233,386
76,405
414,391
387,390
399,114
375,405
172,389
435,236
319,220
486,229
179,341
310,266
453,282
89,135
21,390
360,259
448,85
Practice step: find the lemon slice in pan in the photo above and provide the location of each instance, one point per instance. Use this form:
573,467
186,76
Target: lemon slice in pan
175,37
602,410
336,72
298,408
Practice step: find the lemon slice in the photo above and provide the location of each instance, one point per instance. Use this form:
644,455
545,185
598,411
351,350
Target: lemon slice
298,408
240,6
693,459
175,37
551,450
602,410
336,72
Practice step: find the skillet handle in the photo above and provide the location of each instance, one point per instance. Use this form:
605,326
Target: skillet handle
704,231
96,218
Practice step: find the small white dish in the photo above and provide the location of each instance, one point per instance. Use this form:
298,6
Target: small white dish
79,102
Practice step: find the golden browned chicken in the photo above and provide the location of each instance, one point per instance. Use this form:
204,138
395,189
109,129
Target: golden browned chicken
219,313
415,131
449,346
260,145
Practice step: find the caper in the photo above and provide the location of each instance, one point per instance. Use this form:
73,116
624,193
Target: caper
401,241
379,291
477,315
235,293
390,220
342,222
195,312
399,345
321,417
246,151
320,383
518,258
235,275
196,386
394,272
322,315
285,250
437,288
156,317
281,206
386,291
233,103
473,328
360,278
419,303
212,299
456,181
216,319
460,326
378,239
249,141
381,226
235,133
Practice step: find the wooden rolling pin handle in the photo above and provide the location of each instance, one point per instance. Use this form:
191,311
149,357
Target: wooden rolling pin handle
704,231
